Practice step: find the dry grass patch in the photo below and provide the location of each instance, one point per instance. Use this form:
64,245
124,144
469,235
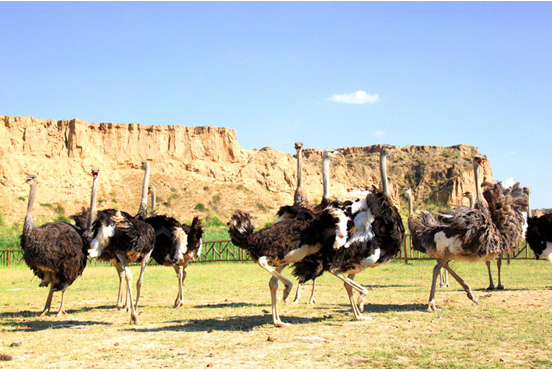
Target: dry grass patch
226,321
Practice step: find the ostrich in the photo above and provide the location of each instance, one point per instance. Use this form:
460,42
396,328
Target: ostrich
471,234
54,251
175,244
122,239
287,241
312,267
375,236
539,232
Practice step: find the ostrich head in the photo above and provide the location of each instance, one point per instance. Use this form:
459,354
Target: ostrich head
95,172
479,161
30,179
298,146
331,154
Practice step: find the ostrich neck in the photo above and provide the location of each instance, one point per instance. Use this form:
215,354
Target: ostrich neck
153,201
410,205
29,225
528,206
326,178
299,169
383,170
478,194
471,201
93,204
144,201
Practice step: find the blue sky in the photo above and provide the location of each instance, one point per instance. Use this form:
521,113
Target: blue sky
330,74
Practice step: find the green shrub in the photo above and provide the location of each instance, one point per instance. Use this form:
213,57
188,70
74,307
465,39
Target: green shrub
199,207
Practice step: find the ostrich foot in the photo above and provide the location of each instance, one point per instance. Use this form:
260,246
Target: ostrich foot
431,307
177,304
363,318
61,313
281,324
133,318
312,301
44,312
295,301
472,297
361,299
491,287
500,287
444,285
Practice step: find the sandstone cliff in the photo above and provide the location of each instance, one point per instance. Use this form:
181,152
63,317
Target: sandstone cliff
199,165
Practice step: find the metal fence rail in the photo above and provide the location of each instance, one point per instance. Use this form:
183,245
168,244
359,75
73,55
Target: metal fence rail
224,250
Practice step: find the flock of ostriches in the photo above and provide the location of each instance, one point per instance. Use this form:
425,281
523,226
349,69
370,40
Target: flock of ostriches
341,237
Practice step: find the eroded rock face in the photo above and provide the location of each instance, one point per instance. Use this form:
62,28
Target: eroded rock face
200,165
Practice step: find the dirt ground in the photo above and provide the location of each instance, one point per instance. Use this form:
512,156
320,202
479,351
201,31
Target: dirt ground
226,323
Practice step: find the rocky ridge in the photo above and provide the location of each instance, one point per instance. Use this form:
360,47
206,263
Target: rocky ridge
200,170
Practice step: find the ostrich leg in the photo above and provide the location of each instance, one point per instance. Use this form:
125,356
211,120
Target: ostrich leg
349,285
466,287
128,277
498,265
140,279
311,300
61,311
178,302
48,300
297,293
273,285
122,290
436,271
491,284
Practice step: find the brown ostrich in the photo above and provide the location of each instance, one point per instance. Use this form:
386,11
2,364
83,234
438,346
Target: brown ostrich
471,234
54,251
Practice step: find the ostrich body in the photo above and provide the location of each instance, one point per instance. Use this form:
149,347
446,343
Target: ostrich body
54,251
471,234
175,245
122,239
289,241
539,233
376,237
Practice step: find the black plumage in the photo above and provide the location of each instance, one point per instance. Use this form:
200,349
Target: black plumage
54,251
539,235
176,244
288,241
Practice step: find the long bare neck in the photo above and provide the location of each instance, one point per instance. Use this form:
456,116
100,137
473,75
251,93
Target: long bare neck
383,171
144,201
93,204
410,204
299,168
478,194
29,217
528,192
472,201
326,177
153,201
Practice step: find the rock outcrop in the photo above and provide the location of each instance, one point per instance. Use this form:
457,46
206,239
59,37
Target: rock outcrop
199,170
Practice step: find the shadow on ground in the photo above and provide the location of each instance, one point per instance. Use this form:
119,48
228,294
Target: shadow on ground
234,323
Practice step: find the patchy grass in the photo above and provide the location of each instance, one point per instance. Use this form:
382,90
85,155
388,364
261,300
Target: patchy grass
225,321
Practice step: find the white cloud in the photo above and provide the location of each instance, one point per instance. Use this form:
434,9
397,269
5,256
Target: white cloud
379,133
509,182
359,97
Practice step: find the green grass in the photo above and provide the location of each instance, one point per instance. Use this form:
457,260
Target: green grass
225,321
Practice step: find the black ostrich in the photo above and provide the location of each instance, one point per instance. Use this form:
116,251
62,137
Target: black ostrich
54,251
471,234
539,233
123,239
374,236
288,241
176,244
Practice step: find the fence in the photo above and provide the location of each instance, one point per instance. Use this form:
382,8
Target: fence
225,251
